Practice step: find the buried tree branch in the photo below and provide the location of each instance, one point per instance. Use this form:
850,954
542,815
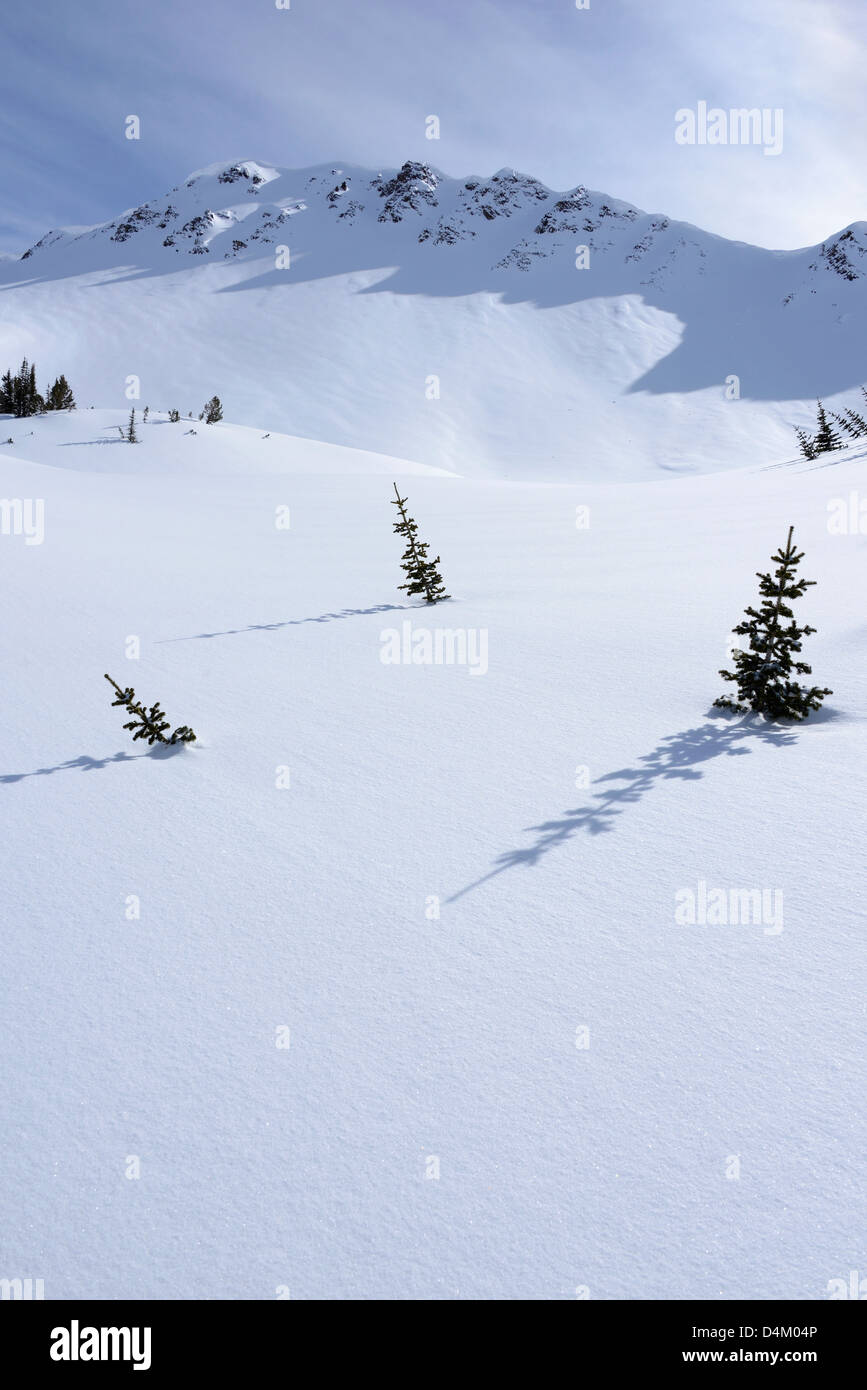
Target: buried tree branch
150,724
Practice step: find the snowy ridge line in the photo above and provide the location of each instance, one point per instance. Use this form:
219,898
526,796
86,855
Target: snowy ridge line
195,218
480,325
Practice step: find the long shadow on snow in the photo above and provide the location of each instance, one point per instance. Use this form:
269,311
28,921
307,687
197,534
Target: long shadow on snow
85,763
294,622
677,756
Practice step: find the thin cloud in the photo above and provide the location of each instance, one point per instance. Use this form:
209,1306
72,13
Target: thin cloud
568,95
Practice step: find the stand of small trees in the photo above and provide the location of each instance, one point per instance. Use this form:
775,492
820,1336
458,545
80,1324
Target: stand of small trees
826,437
19,396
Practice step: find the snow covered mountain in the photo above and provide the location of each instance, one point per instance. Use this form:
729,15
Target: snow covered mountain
485,326
384,987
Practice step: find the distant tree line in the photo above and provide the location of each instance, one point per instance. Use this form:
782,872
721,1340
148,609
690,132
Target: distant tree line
19,395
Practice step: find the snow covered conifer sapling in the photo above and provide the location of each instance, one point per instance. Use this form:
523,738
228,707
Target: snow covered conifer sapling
150,724
763,673
422,574
131,436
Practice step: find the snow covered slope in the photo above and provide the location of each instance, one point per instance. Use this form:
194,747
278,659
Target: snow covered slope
448,320
440,1125
93,441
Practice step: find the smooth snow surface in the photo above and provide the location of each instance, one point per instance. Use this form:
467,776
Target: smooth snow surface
417,1040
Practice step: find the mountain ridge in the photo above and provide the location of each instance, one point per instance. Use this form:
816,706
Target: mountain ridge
481,325
411,188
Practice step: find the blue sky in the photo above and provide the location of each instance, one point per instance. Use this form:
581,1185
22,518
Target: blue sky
572,96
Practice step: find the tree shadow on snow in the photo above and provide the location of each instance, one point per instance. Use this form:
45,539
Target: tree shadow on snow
294,622
85,763
677,757
89,443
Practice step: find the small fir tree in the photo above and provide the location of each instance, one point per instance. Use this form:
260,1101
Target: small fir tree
131,436
422,574
857,425
826,436
174,416
213,411
763,673
35,403
843,424
808,448
150,724
59,396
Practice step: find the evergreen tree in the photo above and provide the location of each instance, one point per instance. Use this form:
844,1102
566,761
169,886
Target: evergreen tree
59,396
131,436
150,724
808,448
145,415
213,411
857,424
763,672
422,573
826,436
846,425
174,416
